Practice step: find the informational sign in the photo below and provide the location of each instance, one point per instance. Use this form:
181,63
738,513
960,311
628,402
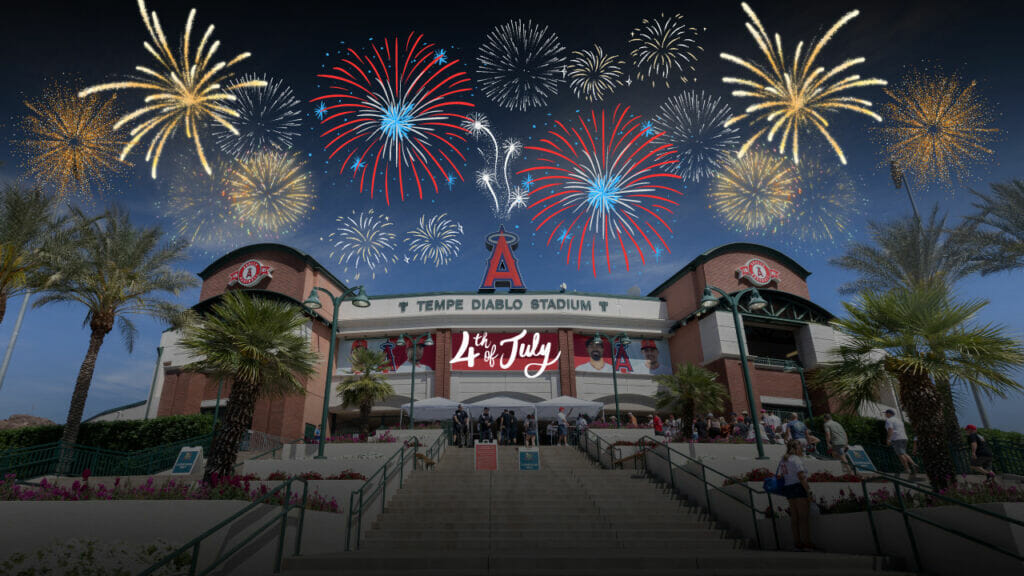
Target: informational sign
859,458
250,274
758,272
529,458
188,458
531,352
485,456
640,356
396,358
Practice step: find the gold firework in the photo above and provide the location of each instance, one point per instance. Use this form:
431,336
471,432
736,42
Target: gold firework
937,126
69,143
270,191
754,193
186,90
200,208
793,97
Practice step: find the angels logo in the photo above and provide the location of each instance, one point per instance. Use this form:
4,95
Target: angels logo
502,266
758,272
250,274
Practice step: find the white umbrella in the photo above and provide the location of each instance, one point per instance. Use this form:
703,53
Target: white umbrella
548,409
430,409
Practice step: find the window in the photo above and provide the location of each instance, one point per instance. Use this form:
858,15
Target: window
770,341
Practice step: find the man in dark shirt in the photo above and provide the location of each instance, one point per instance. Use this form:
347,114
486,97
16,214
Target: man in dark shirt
486,422
513,426
504,427
461,422
981,454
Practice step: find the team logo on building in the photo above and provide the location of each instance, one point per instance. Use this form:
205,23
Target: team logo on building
502,266
758,272
250,274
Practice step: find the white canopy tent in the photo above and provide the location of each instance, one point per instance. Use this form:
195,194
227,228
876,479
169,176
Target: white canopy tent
548,409
499,403
430,409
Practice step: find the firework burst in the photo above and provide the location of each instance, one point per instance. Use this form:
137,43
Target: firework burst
200,209
937,126
593,74
366,240
754,192
436,240
796,98
520,65
664,47
603,180
69,143
185,91
825,205
398,108
694,124
495,180
269,118
271,191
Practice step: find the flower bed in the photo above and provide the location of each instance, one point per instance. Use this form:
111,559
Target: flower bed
988,492
220,488
760,474
281,475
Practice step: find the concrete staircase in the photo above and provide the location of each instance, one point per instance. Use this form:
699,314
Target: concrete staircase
570,518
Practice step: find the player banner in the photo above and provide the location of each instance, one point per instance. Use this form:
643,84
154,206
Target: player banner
396,358
641,356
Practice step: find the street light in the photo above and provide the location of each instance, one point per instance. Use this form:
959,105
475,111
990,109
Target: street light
625,341
359,300
427,341
709,302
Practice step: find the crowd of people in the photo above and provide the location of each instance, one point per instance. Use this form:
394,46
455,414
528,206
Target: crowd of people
508,430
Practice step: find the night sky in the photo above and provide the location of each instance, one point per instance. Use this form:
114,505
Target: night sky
86,43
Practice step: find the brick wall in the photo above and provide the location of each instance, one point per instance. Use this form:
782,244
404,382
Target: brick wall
721,272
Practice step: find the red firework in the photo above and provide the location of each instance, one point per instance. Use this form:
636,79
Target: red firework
400,106
606,180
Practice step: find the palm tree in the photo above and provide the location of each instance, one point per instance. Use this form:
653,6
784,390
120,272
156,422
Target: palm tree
116,271
27,219
916,337
690,390
258,345
997,229
365,387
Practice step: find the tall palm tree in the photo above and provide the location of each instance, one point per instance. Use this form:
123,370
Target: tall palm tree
997,229
916,337
689,391
365,387
258,345
115,271
27,219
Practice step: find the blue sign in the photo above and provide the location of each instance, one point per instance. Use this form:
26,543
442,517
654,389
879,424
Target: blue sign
187,459
859,458
529,459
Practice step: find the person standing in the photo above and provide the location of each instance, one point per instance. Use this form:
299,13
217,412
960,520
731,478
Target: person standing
659,426
796,430
531,430
837,442
896,436
981,454
460,420
486,422
563,427
632,420
513,425
503,427
316,435
775,424
714,427
795,489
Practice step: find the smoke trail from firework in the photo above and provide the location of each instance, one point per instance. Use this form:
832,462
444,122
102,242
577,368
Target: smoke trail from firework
497,183
520,65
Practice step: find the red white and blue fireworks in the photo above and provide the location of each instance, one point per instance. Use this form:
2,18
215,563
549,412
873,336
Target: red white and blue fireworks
603,185
395,113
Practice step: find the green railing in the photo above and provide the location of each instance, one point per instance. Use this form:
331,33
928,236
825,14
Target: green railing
193,545
907,514
377,484
44,459
648,445
272,453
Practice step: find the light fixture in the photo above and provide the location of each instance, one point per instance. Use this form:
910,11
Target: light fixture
313,302
596,340
708,301
429,341
756,302
625,341
361,301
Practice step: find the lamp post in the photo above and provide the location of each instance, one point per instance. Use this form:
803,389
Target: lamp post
359,300
709,302
427,341
793,366
625,341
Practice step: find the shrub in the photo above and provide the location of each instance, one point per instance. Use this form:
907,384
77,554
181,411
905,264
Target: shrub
985,493
120,435
347,475
95,558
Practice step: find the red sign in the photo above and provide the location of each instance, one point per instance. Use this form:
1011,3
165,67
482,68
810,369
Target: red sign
250,274
758,272
502,266
485,456
533,353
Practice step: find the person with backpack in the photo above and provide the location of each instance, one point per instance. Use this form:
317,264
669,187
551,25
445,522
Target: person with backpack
792,475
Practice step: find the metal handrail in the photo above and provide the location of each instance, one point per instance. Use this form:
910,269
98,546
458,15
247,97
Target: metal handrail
272,452
286,508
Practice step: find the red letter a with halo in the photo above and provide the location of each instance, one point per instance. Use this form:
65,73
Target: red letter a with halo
502,266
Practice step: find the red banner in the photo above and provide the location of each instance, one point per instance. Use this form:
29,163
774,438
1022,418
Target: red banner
531,352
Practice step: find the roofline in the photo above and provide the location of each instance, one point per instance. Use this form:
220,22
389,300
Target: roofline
527,293
729,249
218,263
258,292
112,410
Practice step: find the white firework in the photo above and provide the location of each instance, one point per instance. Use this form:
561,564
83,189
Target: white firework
269,118
494,181
366,239
664,47
436,240
518,200
520,65
693,123
593,74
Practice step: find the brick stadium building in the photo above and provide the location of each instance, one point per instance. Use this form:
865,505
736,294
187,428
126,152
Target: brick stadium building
529,345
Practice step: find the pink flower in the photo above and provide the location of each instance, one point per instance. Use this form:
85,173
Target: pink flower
85,474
